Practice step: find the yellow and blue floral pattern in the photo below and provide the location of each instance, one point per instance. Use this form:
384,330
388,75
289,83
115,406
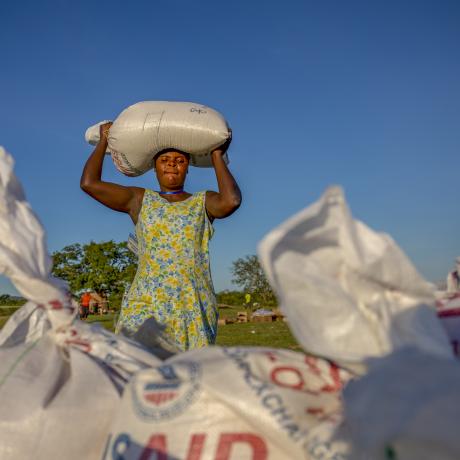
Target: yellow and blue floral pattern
173,280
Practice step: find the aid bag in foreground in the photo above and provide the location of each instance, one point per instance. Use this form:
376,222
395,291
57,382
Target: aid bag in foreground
232,404
406,405
64,383
147,128
60,379
71,390
351,293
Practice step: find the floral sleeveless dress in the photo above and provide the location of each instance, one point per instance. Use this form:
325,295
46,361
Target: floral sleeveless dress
173,280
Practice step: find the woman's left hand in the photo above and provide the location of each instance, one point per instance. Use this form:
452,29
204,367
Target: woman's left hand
228,199
224,147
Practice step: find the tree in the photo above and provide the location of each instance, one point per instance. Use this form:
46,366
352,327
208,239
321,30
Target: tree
247,273
102,267
9,300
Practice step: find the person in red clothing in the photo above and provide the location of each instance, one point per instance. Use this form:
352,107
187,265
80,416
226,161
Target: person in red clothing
84,305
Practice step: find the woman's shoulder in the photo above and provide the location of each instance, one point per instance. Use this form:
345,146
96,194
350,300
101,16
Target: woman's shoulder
204,194
196,195
152,194
196,199
150,197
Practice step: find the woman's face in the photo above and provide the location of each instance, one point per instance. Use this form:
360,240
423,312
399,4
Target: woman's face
171,168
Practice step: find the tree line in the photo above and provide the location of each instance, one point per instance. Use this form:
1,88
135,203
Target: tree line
11,301
109,267
106,268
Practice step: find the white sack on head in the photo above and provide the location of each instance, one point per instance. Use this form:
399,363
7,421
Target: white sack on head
147,128
349,293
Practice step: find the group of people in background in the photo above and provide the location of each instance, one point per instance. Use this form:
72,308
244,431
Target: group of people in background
94,303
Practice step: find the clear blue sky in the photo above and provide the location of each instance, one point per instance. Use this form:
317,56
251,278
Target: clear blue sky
365,94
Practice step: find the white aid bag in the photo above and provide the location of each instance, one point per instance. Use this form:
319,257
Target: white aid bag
406,404
231,404
60,379
147,128
349,293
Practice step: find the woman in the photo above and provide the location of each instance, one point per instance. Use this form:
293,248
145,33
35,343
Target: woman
173,280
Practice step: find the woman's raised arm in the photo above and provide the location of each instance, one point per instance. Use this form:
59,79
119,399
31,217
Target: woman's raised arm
114,196
225,202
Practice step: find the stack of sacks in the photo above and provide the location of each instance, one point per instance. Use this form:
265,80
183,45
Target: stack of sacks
73,391
147,128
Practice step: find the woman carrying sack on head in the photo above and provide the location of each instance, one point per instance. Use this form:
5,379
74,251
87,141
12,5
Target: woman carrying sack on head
173,228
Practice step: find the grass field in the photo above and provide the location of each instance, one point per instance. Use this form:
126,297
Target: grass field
3,320
274,334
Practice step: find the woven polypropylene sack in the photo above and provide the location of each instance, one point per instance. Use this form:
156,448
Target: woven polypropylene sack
237,403
147,128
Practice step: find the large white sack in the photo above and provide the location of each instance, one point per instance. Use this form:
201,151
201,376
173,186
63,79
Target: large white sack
60,379
23,254
232,404
408,401
349,292
147,128
60,390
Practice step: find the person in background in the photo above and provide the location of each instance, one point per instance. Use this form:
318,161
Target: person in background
84,304
93,303
104,304
453,278
247,299
173,282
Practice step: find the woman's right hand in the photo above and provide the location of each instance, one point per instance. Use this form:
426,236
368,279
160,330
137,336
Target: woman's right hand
118,197
104,131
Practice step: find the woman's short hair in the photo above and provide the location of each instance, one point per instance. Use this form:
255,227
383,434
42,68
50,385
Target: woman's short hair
187,155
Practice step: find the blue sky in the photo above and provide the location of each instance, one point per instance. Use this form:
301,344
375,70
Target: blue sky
365,94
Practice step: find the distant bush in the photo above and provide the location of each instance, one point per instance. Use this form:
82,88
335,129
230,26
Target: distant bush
230,298
8,311
115,301
12,301
237,298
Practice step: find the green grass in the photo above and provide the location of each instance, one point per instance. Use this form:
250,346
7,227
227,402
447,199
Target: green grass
107,321
275,334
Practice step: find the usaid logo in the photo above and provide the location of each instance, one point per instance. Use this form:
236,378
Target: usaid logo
166,391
